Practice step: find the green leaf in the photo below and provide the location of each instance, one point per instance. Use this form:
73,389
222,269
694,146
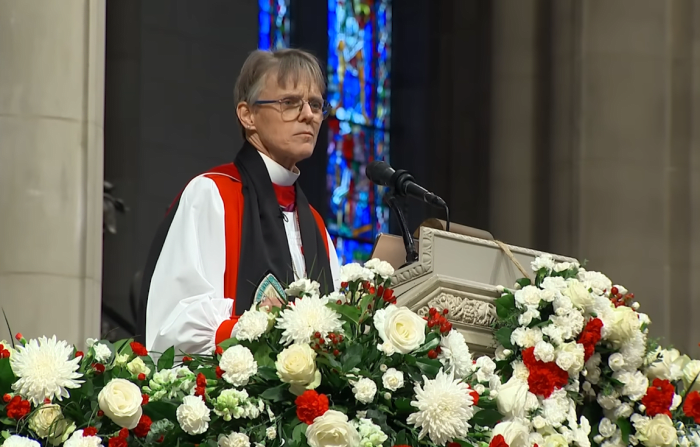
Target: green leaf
538,323
625,428
505,305
486,418
503,337
523,282
351,357
403,405
429,367
401,438
8,421
228,343
267,373
431,342
88,389
275,394
299,433
167,359
350,314
161,410
487,403
7,377
262,356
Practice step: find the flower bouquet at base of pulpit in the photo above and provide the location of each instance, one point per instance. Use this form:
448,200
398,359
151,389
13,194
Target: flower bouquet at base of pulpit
349,369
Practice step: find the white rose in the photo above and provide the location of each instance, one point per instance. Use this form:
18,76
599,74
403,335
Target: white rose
355,272
364,390
555,440
121,402
193,415
401,327
296,365
657,432
528,296
392,379
578,294
544,351
570,357
616,361
102,352
252,324
302,287
381,268
669,365
48,421
623,322
234,440
690,372
607,428
238,365
515,431
332,430
512,398
137,366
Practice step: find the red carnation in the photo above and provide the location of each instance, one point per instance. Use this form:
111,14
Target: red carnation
99,368
475,397
201,380
219,350
691,406
143,427
145,398
544,377
311,405
138,348
498,441
124,433
219,372
659,398
18,408
590,336
90,431
117,442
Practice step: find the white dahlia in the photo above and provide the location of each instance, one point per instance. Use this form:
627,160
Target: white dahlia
45,370
306,316
445,406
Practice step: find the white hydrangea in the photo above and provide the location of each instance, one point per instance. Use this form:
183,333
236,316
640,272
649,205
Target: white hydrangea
455,354
303,287
102,352
252,325
193,415
238,365
355,272
371,435
381,268
364,390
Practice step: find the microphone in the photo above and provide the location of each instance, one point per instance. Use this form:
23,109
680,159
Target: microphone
403,183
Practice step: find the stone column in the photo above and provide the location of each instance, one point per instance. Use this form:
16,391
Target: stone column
51,139
625,159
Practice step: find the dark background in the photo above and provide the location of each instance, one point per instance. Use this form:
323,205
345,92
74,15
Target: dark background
169,112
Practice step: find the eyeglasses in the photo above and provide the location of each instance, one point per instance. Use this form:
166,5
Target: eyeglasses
291,108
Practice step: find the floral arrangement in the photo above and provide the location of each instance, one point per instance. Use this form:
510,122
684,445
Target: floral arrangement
578,368
349,369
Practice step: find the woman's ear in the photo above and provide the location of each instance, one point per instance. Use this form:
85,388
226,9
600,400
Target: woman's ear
245,115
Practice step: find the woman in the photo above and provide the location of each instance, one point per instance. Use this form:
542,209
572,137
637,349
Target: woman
237,231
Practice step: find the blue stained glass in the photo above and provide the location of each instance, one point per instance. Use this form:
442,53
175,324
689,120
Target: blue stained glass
359,51
273,24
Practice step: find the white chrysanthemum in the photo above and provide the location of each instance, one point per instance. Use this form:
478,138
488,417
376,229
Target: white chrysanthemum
193,415
238,364
381,268
78,440
445,407
305,317
355,272
234,440
251,325
302,287
455,355
45,370
102,352
364,390
20,441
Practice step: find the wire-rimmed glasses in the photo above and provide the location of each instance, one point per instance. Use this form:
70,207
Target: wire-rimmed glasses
291,108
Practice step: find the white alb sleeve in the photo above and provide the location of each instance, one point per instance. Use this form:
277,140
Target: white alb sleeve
186,302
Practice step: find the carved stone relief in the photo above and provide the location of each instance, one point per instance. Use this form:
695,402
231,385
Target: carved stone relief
462,309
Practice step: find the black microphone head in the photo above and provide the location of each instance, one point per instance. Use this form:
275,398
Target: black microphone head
380,172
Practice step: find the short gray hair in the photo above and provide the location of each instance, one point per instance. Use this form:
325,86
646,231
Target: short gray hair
289,64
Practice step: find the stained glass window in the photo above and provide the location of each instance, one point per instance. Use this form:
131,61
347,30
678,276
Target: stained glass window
274,25
359,52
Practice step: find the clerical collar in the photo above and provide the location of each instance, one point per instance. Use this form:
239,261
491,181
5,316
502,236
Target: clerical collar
279,174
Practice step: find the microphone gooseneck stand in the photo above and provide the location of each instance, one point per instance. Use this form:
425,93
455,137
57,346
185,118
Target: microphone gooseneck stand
411,252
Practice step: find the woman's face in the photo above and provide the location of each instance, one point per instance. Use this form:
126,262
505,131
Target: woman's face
286,132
